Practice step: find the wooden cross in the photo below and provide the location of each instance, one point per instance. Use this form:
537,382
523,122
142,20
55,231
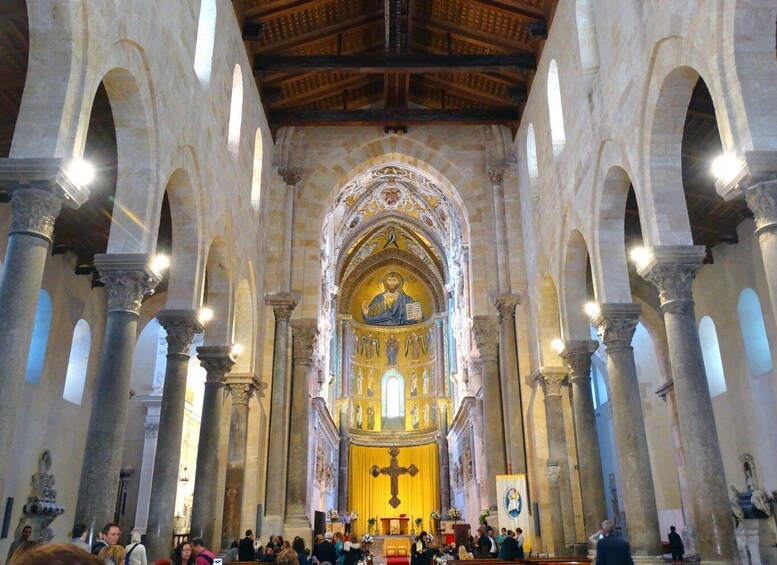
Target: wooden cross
393,471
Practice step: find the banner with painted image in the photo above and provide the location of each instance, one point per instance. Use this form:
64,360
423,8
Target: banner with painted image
514,506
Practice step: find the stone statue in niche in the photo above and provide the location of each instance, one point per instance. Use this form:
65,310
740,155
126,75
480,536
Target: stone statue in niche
456,471
392,347
41,508
467,463
390,307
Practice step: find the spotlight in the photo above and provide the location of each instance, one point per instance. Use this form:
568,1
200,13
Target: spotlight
205,314
639,255
726,167
80,172
592,310
160,263
558,345
237,349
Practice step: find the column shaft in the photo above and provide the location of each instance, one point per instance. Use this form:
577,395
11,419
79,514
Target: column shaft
617,324
552,472
153,404
342,483
127,279
496,175
511,381
291,176
762,200
444,460
181,325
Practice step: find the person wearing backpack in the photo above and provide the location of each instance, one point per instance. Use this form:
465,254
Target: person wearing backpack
204,556
136,551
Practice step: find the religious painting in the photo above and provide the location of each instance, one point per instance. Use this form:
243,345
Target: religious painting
392,307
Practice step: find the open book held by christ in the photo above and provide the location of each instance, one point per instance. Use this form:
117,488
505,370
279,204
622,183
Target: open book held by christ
413,311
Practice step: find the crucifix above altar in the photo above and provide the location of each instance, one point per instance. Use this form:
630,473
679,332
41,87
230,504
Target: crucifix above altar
394,471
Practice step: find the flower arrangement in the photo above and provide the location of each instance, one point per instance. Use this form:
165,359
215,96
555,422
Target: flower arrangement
354,516
483,516
367,539
418,522
372,522
332,514
454,513
435,515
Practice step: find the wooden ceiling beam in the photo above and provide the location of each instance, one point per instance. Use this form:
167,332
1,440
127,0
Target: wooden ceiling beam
382,63
311,96
281,78
464,91
481,39
522,11
280,8
406,116
510,78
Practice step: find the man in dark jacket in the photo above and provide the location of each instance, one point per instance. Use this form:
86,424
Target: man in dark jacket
611,550
676,547
245,549
325,551
509,549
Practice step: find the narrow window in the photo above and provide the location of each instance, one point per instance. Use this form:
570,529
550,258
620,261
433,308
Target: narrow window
751,321
392,398
713,363
235,113
206,34
531,162
554,108
78,362
40,339
256,181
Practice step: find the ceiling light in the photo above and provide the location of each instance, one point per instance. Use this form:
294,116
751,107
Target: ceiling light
205,314
592,310
160,262
640,256
557,345
80,172
237,349
726,167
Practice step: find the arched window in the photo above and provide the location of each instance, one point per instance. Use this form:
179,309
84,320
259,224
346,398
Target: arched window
531,161
256,181
78,362
392,398
710,350
554,108
206,34
598,386
586,38
751,321
40,339
393,395
235,112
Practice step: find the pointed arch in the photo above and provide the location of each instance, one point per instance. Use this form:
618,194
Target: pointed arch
574,285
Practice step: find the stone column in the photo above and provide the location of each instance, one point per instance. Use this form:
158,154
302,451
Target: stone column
38,188
291,176
304,332
761,198
153,404
577,355
444,459
616,324
217,360
552,380
128,277
342,483
496,176
242,388
511,379
553,473
441,385
671,270
181,326
485,331
347,351
278,443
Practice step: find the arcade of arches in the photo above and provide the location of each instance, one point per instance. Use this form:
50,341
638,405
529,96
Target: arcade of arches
557,319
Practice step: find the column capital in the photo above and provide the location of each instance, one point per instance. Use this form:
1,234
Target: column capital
283,304
761,198
616,323
485,331
552,379
552,470
242,387
506,304
128,277
304,333
290,175
496,173
577,355
48,175
180,325
671,269
217,360
34,212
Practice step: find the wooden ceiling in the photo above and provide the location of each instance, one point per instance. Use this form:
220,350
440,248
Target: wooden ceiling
394,62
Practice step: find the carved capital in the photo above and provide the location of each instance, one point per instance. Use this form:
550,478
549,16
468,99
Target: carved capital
761,198
485,331
242,393
128,277
671,270
616,323
304,332
577,355
34,212
283,305
217,360
506,304
552,379
49,175
180,325
496,173
290,175
552,470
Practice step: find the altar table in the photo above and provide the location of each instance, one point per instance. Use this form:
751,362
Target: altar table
394,526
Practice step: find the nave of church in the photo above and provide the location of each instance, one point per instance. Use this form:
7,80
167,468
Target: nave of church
393,266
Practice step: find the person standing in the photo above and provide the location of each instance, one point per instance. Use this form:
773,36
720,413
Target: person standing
245,549
508,551
136,551
676,547
203,556
519,542
79,537
347,515
109,536
611,550
493,549
22,540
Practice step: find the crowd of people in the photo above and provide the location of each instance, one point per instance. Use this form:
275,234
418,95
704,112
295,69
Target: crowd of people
508,547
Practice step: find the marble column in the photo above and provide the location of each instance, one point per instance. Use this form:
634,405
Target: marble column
552,380
485,331
291,177
672,269
761,198
511,380
304,332
127,278
496,176
242,388
181,326
443,455
38,189
347,351
553,473
616,324
153,404
275,504
577,355
439,355
342,483
217,360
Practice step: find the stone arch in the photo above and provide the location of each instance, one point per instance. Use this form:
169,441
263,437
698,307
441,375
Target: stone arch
123,70
218,293
573,275
54,87
608,256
